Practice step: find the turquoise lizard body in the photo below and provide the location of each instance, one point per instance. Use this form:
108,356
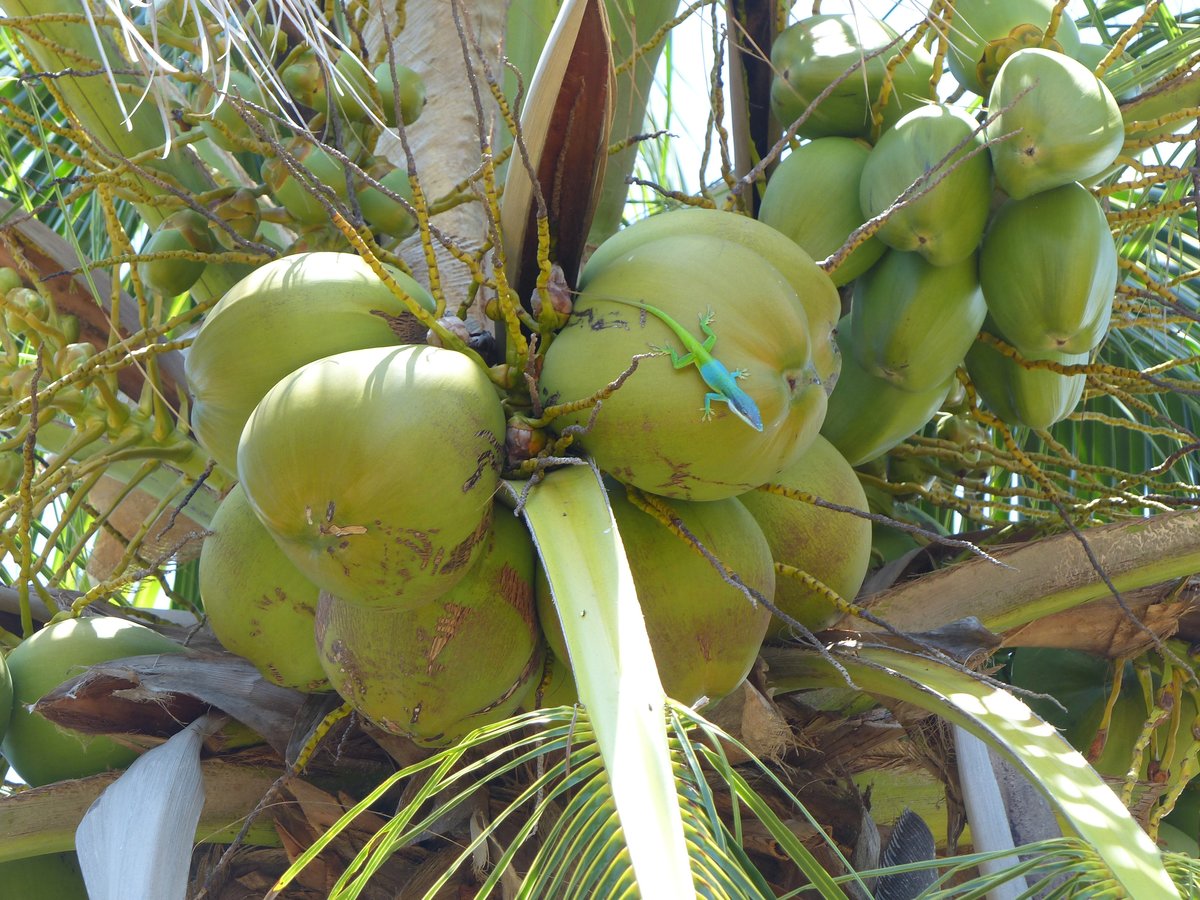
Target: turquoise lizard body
723,382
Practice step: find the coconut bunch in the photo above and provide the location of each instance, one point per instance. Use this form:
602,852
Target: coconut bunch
984,249
363,548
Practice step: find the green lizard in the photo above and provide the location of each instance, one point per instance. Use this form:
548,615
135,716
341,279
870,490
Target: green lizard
723,382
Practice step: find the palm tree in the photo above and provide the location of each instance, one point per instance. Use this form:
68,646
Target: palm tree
156,156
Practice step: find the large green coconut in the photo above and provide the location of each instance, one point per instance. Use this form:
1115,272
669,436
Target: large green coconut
258,604
834,547
40,751
704,632
945,219
868,416
54,876
912,322
1068,124
1022,396
292,311
807,57
985,33
1048,268
6,697
374,470
465,660
652,432
816,290
830,169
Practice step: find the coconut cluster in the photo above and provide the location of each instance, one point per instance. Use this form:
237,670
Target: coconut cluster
361,548
992,254
341,97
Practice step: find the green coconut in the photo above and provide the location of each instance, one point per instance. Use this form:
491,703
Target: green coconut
297,197
834,547
1068,125
1048,268
465,660
309,82
830,168
289,312
816,291
704,632
985,33
911,322
406,87
381,212
186,230
945,220
868,416
374,470
258,604
40,751
808,55
652,431
54,876
6,697
1020,396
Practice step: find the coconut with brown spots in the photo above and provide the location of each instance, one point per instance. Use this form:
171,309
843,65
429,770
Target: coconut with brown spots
465,660
374,471
258,604
704,631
